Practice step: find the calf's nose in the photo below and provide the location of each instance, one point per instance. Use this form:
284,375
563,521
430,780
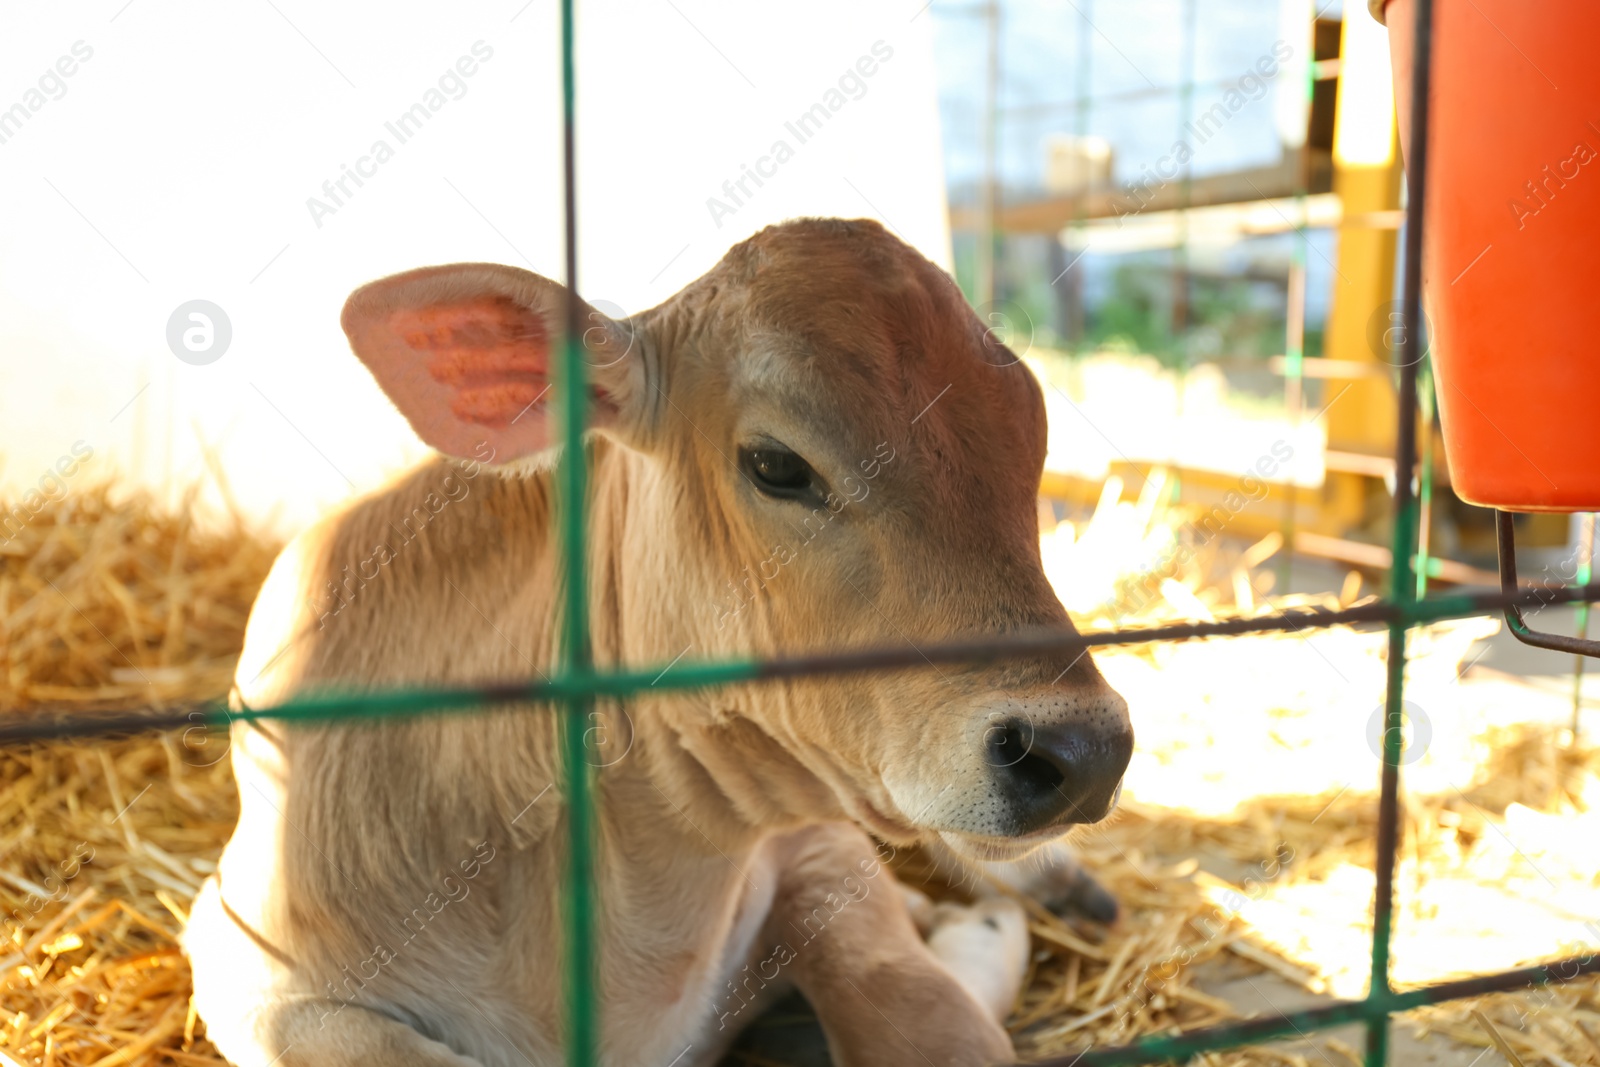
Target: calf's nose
1058,773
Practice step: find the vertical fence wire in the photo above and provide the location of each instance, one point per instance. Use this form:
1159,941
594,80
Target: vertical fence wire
1585,573
1402,587
1430,405
577,655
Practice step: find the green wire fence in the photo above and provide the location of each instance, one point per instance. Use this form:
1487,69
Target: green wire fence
583,1010
577,684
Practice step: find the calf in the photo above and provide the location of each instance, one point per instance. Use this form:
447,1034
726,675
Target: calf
815,445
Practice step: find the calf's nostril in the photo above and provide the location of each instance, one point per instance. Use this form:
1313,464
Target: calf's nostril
1039,773
1008,743
1057,774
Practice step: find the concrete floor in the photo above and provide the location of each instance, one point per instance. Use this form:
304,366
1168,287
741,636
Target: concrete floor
1264,993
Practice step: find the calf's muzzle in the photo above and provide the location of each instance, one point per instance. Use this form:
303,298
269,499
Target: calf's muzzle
1053,775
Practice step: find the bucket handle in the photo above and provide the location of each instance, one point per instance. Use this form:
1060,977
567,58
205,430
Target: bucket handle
1506,536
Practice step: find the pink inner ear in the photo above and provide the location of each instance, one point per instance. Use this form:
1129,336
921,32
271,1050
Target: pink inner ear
492,354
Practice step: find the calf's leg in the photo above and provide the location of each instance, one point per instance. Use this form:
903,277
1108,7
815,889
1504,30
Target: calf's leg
308,1036
885,997
1052,875
256,1022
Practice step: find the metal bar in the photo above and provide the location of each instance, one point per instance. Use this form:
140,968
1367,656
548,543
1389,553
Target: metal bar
1402,589
1378,558
983,286
1505,533
700,675
1320,71
582,1006
1294,324
1252,1031
1076,284
1314,366
1425,397
1178,316
1581,623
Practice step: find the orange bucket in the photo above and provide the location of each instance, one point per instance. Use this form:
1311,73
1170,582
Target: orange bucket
1511,258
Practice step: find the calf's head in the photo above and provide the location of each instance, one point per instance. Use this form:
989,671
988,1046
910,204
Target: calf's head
823,446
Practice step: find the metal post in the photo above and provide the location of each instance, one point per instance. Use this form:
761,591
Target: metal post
1083,104
1294,348
988,207
1402,589
577,655
1178,319
1425,397
1585,574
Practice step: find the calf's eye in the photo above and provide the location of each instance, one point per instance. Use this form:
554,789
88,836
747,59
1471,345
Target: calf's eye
778,472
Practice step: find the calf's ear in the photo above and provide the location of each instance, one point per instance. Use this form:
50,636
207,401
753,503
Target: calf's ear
468,353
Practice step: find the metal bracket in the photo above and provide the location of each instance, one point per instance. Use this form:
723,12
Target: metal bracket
1506,537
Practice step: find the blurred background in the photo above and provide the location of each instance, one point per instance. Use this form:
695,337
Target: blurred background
1183,214
1184,210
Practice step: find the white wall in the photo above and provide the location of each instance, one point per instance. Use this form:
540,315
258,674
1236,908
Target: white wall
178,161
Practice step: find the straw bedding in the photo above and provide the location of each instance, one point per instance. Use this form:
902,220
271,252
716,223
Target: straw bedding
109,600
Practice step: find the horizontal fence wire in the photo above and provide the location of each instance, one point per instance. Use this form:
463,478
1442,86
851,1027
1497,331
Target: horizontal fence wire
1373,1008
43,724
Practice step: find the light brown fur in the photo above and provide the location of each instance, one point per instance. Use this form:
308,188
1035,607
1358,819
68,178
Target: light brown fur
724,816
